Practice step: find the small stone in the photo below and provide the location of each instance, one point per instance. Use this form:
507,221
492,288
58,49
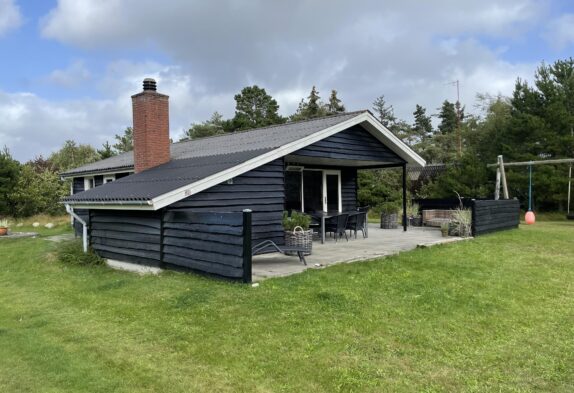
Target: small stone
36,224
255,285
49,225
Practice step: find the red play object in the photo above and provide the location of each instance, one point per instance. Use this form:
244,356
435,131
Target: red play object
530,218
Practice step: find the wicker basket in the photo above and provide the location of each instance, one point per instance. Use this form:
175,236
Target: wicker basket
389,221
299,238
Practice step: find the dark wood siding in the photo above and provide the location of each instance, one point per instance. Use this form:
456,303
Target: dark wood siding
349,188
207,242
262,190
354,143
129,236
491,216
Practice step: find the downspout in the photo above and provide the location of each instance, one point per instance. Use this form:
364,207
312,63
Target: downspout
84,227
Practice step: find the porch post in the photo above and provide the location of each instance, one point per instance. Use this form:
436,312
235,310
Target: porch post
405,197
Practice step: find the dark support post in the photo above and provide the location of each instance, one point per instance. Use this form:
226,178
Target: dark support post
405,197
247,252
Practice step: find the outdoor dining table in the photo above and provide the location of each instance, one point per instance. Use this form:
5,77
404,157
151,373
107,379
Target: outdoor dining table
324,216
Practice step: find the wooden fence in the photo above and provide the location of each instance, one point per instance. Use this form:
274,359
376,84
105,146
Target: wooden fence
494,215
210,242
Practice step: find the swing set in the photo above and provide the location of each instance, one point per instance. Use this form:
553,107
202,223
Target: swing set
501,178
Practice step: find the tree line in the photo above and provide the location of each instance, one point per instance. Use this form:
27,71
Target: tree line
534,123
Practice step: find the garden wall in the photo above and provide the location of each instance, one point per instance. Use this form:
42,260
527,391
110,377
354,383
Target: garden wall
494,215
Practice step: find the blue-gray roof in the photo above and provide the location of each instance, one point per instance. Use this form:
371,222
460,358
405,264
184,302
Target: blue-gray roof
256,139
194,160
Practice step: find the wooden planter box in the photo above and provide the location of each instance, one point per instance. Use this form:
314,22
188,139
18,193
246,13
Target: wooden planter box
389,221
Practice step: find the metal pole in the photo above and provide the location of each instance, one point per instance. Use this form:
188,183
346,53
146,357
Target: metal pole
569,186
530,188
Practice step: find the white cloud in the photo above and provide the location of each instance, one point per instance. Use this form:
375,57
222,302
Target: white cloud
72,76
407,50
560,33
10,17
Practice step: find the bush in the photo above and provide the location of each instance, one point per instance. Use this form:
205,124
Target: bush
390,208
296,220
72,253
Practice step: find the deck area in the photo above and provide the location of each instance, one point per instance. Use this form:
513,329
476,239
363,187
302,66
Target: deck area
381,242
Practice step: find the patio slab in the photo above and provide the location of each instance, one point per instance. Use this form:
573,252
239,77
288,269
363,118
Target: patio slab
381,242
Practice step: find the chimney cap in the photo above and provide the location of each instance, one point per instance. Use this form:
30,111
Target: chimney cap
149,84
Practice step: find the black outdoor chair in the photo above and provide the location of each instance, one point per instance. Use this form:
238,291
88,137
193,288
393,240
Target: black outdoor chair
363,208
357,222
338,226
268,245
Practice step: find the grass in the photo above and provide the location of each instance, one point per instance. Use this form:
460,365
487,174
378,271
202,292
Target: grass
493,314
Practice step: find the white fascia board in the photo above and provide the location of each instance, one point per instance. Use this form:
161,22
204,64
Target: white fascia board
201,185
100,173
116,206
375,128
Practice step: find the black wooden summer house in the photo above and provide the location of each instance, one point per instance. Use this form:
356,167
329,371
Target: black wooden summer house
182,204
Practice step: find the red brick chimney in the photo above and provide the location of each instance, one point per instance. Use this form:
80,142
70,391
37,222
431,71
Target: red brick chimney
151,127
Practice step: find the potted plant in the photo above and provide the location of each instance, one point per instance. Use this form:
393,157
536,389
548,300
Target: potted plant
3,227
389,217
297,232
444,229
415,219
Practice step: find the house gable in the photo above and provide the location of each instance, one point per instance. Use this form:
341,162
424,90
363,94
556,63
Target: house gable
353,144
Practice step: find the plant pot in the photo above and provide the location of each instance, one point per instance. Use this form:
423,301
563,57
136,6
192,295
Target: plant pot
3,231
444,232
389,221
299,238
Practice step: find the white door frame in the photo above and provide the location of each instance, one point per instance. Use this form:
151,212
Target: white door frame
340,201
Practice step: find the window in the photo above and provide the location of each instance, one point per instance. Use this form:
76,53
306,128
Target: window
88,183
109,178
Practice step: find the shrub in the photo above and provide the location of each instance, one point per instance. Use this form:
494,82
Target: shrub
390,208
296,220
72,253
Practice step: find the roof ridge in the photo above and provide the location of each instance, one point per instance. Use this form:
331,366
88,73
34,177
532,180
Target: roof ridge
274,126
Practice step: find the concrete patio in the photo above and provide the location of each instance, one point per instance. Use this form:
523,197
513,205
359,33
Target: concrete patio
381,242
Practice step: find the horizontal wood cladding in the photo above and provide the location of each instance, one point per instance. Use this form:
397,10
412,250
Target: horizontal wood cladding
127,235
349,188
210,242
261,190
491,216
84,215
355,143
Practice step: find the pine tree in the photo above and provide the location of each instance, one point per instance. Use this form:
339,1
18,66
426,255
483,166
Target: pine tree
448,118
384,112
255,108
106,151
423,124
335,105
313,108
124,142
214,126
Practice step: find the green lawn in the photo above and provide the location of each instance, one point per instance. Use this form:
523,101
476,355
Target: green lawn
493,314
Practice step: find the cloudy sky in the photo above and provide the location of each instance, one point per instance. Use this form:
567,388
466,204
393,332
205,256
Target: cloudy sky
68,67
